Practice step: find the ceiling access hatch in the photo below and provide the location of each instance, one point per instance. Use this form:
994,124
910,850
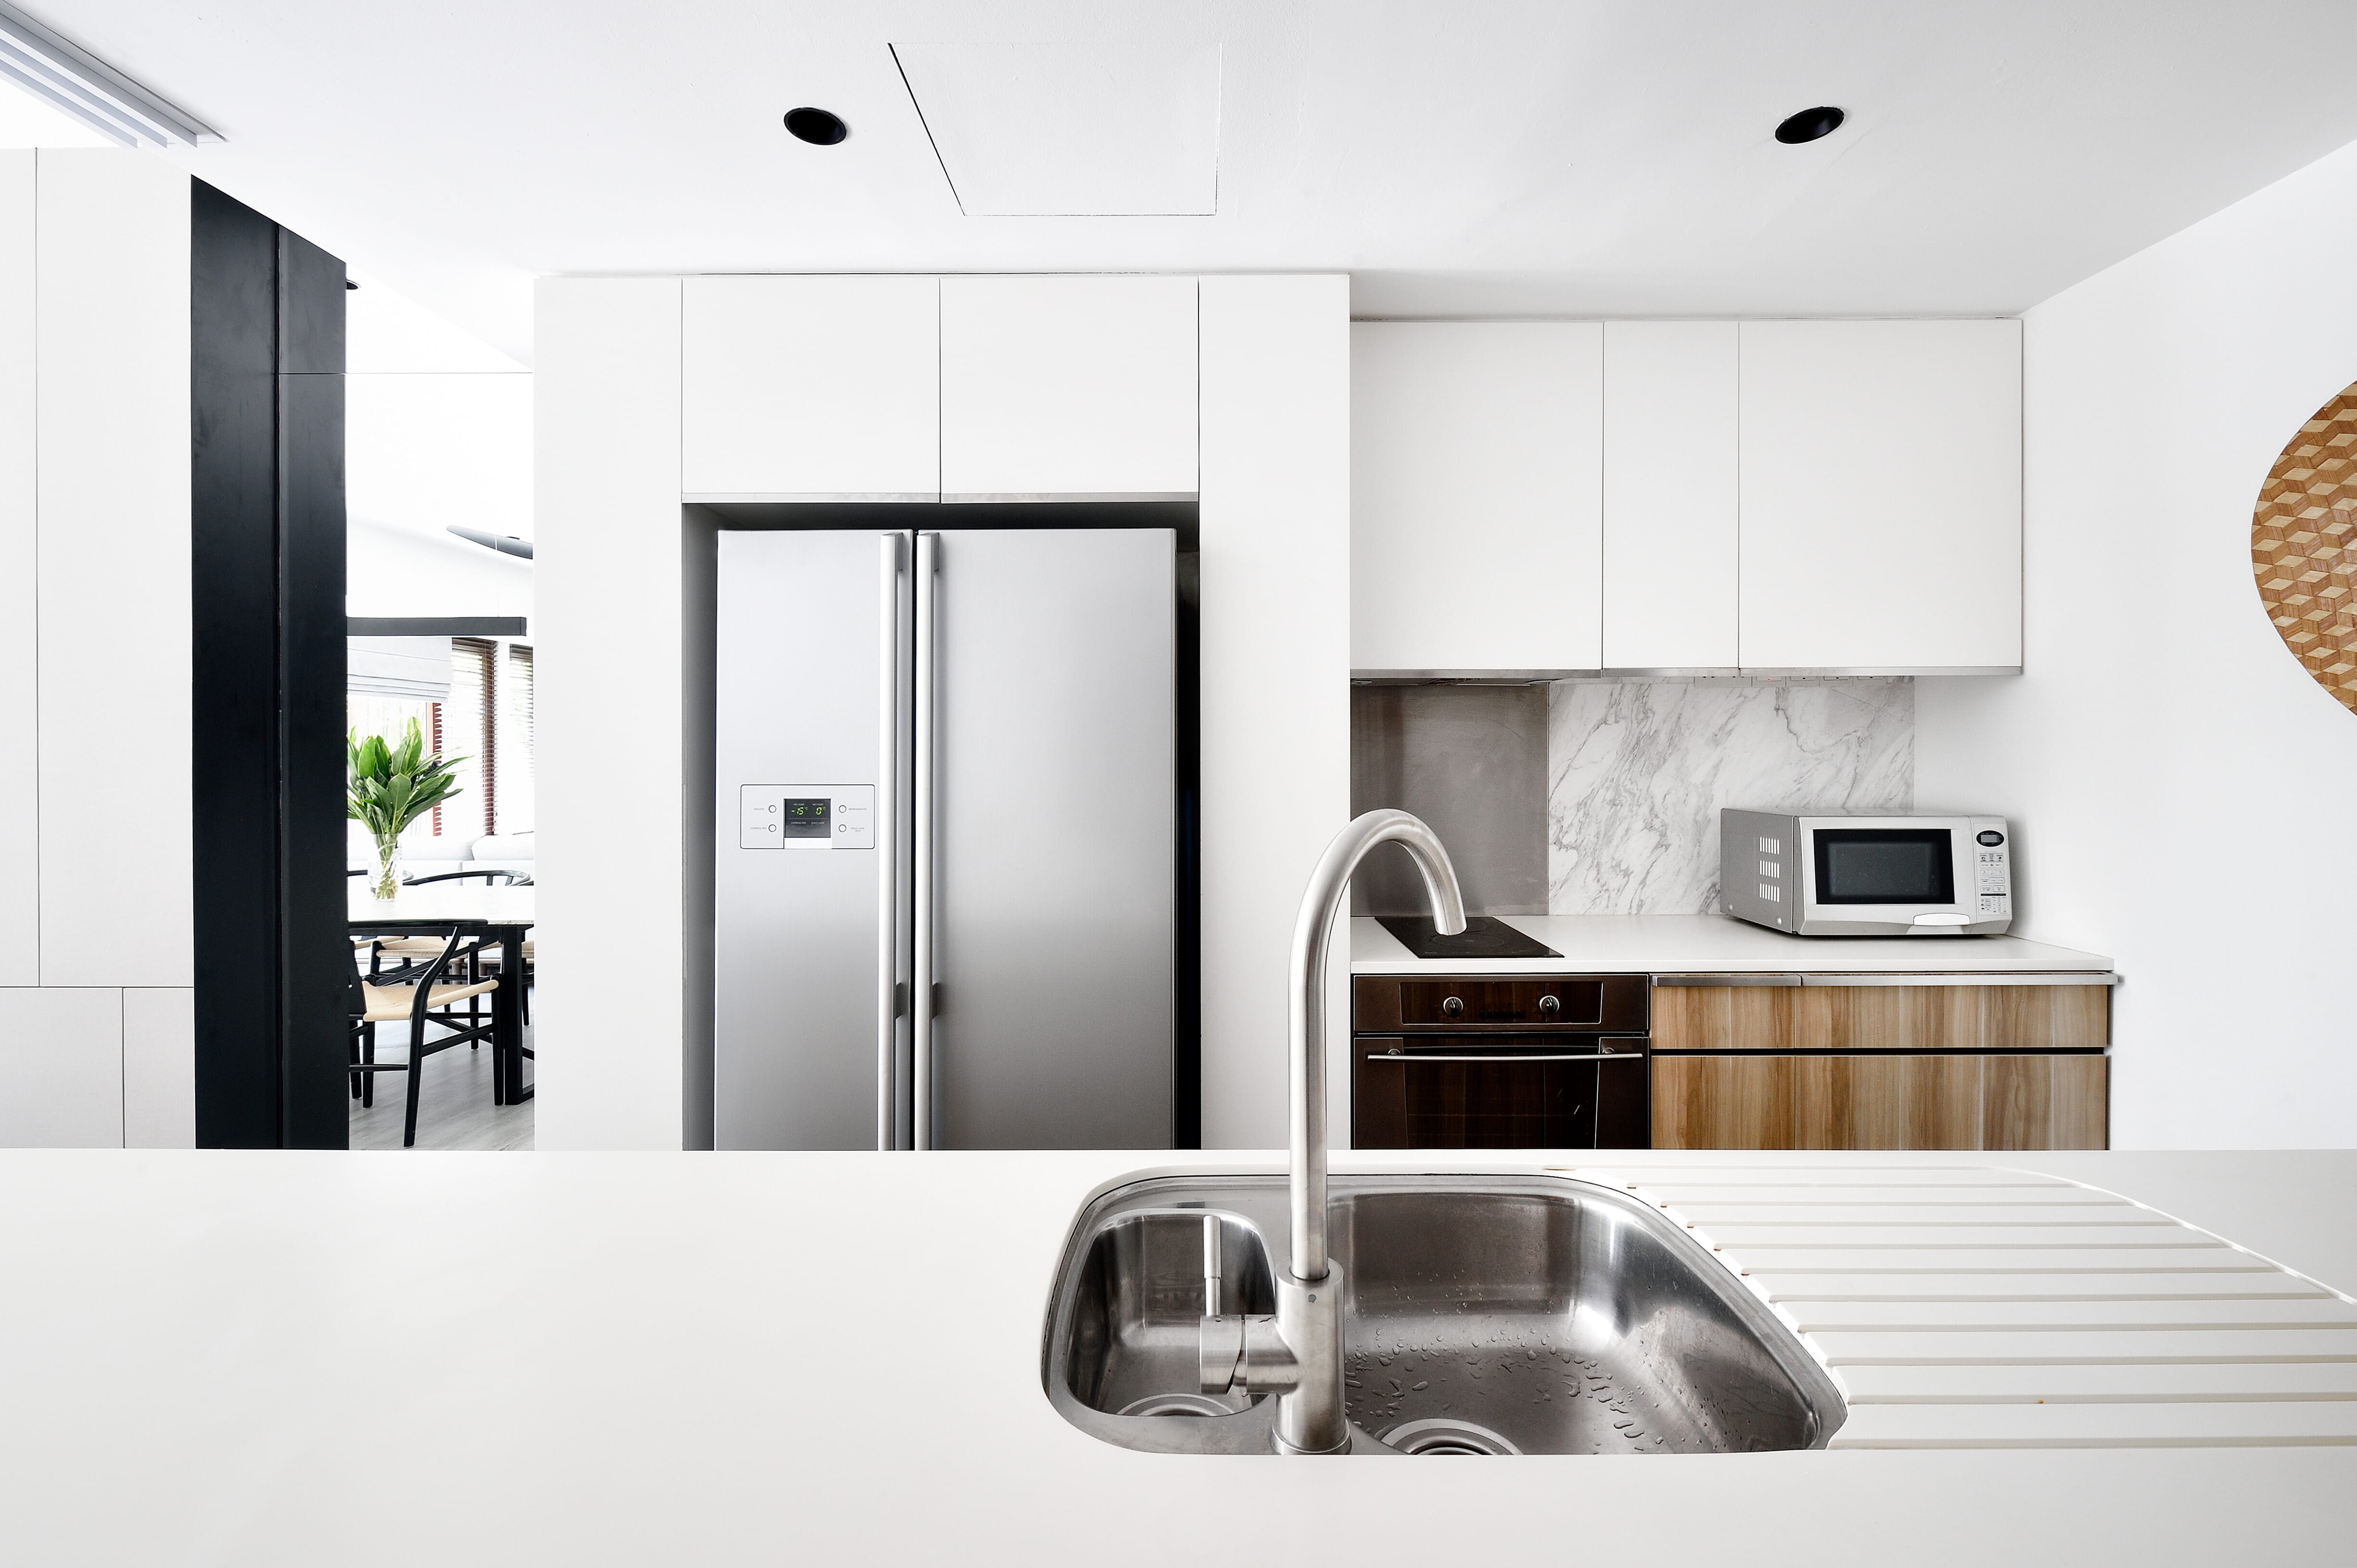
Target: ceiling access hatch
1078,130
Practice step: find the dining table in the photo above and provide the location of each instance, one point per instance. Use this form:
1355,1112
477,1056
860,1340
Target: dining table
497,916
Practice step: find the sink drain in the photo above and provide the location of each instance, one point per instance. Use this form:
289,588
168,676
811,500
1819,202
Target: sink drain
1178,1404
1439,1435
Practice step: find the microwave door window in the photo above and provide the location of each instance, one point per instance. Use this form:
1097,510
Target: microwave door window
1885,865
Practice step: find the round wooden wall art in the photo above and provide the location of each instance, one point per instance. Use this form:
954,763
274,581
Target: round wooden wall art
2304,546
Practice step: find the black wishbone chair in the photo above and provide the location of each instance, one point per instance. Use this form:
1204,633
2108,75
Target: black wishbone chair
417,950
490,878
418,993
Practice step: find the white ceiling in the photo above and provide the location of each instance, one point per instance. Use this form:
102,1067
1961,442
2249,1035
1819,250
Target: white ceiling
1096,128
1507,158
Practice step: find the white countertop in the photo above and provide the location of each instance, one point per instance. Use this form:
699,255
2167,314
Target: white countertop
1663,944
272,1357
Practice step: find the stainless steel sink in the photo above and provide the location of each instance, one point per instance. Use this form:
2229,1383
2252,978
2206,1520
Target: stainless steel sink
1482,1315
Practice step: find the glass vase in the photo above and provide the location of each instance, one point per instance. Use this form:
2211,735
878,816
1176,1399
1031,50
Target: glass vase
388,865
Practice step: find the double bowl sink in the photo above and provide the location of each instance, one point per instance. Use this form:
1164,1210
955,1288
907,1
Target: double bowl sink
1483,1315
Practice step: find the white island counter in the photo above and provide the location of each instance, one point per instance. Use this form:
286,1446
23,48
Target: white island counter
817,1358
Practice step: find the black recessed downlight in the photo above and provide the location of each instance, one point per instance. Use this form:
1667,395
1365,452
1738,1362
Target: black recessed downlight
819,128
1809,124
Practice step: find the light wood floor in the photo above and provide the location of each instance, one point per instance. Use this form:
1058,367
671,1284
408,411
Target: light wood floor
454,1104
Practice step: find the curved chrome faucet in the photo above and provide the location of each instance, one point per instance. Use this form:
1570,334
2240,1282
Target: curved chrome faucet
1298,1355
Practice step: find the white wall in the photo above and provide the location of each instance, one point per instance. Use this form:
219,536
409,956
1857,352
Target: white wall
96,1013
400,571
2181,790
437,432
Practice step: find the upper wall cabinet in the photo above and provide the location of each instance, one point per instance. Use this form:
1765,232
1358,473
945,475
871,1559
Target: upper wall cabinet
1670,517
810,387
1476,495
1067,387
1881,494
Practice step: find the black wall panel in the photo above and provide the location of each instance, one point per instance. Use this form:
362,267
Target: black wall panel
266,312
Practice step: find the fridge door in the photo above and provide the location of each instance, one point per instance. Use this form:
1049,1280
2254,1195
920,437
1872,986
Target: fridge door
806,680
1054,816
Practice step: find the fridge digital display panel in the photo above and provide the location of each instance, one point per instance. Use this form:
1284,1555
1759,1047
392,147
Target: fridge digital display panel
802,817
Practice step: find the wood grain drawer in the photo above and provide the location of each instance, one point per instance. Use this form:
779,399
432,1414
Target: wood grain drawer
1777,1100
1881,1017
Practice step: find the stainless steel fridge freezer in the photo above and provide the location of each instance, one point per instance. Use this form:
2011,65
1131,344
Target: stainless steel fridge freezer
947,839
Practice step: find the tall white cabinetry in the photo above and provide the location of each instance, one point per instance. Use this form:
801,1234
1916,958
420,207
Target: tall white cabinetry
810,387
1068,388
97,1028
1476,495
1881,495
1670,547
20,661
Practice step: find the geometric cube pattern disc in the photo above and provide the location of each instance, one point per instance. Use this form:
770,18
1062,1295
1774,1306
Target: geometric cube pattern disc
2304,546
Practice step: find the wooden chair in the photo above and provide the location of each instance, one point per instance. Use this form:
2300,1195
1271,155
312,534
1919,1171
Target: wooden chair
418,993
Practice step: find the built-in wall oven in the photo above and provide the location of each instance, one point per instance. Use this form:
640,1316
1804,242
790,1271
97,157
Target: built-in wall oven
1500,1062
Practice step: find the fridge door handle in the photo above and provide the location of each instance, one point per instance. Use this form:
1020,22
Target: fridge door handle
887,839
920,980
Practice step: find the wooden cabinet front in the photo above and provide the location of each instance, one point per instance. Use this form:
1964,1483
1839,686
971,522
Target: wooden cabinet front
1722,1102
1880,1067
1887,1102
1881,1017
2045,1102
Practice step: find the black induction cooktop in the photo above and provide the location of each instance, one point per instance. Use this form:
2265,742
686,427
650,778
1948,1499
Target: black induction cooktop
1484,936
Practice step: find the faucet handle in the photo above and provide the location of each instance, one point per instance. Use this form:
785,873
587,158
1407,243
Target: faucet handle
1220,1346
1237,1352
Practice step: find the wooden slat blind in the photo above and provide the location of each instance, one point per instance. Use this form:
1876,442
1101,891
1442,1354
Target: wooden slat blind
474,668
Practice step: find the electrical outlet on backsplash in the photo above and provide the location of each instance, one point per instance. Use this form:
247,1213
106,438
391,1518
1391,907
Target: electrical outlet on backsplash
1638,771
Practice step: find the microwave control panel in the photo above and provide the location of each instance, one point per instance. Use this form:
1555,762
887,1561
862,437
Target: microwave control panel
806,816
1993,863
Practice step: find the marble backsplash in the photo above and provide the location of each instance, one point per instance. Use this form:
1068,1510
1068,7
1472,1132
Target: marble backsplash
1637,771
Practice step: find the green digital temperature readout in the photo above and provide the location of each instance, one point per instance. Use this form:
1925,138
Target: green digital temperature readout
801,818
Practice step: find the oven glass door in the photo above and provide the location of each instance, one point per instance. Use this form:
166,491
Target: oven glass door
1520,1091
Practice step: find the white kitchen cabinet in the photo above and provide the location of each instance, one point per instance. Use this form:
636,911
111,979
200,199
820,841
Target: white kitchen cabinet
1880,495
1068,387
159,1067
1275,670
1476,495
1670,517
112,491
20,702
810,387
61,1058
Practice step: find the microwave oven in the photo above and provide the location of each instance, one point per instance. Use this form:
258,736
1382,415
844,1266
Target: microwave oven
1841,875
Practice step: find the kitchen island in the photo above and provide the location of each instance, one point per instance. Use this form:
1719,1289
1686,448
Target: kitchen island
299,1358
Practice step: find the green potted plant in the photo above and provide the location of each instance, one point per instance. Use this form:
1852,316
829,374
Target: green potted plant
388,787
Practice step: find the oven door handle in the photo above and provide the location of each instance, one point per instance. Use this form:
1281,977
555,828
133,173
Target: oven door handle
1570,1056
